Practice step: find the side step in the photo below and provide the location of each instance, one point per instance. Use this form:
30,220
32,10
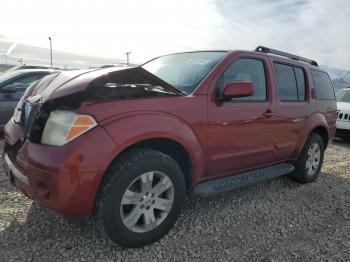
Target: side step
245,179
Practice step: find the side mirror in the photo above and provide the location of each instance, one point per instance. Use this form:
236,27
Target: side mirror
8,89
238,89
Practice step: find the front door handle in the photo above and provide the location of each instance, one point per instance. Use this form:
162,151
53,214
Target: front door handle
269,113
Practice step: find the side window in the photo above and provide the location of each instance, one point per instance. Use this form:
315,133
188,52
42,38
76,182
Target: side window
246,69
291,82
22,83
300,77
323,85
287,86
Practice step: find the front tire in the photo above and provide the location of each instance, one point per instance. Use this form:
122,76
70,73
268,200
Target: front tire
141,197
309,163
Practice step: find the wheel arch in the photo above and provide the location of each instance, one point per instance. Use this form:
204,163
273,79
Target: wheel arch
149,129
162,144
322,132
318,128
167,146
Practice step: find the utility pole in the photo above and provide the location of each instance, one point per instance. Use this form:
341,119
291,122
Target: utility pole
127,57
50,51
20,60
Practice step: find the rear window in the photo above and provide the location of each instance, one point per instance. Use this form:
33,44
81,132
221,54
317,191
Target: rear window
323,85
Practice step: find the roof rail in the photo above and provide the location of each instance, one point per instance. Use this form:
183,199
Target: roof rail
263,49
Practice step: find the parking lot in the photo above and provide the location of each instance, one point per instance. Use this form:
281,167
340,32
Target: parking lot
275,221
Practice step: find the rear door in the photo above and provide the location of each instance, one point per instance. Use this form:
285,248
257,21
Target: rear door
294,107
8,101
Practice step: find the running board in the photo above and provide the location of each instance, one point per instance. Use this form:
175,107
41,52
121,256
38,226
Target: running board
245,179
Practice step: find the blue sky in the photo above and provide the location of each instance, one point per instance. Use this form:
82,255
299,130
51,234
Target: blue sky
317,29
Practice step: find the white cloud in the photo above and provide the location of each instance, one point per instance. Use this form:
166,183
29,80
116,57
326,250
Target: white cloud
317,29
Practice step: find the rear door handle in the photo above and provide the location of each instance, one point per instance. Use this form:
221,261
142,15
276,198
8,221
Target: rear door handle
269,113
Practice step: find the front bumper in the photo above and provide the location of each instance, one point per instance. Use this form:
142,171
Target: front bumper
343,129
345,125
64,179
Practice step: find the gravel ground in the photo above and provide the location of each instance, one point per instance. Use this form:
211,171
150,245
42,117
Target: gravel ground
275,221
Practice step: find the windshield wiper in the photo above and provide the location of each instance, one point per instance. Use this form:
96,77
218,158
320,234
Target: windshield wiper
146,87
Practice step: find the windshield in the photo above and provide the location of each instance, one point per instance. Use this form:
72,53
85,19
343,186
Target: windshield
184,71
343,96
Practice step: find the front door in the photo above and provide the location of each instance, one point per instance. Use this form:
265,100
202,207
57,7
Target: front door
240,134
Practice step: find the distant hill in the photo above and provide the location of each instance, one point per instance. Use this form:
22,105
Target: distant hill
341,78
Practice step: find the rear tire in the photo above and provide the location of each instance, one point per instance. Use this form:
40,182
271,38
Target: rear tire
129,215
309,163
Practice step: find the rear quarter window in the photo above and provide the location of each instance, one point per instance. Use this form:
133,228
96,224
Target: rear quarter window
323,85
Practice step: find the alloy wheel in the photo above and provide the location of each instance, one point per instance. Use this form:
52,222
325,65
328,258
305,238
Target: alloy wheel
313,159
147,202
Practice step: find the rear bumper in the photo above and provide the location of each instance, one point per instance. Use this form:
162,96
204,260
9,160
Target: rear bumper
64,179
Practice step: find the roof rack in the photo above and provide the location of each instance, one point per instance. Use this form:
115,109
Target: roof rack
263,49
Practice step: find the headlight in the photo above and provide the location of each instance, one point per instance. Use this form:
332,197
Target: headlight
64,126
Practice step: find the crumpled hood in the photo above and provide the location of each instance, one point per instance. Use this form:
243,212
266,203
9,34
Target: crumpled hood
45,87
101,83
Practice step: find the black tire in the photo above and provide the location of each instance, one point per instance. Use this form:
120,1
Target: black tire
300,174
124,171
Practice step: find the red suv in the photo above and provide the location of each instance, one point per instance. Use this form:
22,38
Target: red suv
126,144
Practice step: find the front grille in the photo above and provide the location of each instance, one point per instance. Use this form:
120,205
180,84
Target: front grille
26,115
22,112
30,118
27,108
343,115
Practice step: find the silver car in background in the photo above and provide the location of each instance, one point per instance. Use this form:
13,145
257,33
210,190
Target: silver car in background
12,86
